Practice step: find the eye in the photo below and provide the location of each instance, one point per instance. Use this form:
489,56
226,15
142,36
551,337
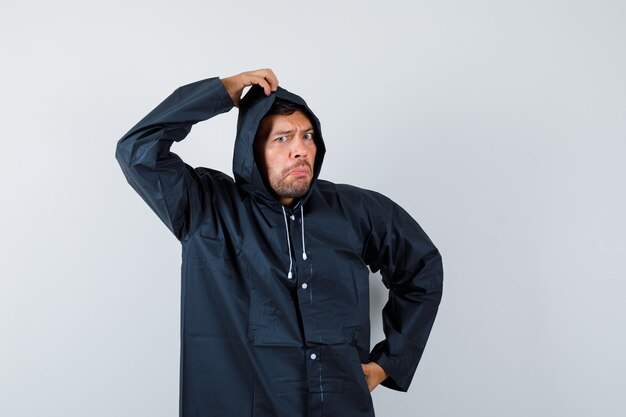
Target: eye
281,139
308,136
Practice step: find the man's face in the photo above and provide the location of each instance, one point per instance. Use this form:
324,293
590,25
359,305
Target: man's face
285,151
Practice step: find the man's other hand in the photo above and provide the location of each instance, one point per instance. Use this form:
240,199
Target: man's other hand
374,374
264,78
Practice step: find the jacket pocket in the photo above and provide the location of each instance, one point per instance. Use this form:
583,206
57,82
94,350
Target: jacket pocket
272,322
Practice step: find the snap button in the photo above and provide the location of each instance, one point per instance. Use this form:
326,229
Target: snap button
313,356
304,286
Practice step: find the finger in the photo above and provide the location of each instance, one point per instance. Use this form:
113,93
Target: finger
368,380
272,79
269,76
371,384
260,81
266,86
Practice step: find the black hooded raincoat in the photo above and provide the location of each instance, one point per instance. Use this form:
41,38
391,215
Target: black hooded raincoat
275,300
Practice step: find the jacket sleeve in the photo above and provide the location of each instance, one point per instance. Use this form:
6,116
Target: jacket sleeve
172,188
412,270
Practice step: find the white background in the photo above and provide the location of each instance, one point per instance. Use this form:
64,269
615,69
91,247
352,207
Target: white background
499,125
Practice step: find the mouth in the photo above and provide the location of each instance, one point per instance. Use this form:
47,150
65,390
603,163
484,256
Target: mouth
300,171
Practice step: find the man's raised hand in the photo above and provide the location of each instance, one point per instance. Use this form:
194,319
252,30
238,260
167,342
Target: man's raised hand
264,78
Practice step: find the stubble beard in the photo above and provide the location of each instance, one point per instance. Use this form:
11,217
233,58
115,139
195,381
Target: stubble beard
286,186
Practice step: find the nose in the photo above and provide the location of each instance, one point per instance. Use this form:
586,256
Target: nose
298,148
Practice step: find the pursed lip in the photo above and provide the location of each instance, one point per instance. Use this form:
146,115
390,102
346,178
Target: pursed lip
300,171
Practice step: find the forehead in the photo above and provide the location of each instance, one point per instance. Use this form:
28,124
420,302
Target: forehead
284,122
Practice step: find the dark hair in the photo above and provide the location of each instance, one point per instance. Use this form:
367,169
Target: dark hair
284,108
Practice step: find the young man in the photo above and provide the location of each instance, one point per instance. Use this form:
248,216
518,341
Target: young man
275,279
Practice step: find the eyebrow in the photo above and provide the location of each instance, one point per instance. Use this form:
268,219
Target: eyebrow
286,132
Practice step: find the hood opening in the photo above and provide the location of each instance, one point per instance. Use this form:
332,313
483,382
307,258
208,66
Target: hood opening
253,107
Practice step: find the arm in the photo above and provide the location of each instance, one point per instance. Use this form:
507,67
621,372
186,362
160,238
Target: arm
170,187
412,271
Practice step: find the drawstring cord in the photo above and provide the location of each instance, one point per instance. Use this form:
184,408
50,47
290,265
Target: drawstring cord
302,221
290,273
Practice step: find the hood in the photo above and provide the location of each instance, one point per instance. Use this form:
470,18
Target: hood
253,106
